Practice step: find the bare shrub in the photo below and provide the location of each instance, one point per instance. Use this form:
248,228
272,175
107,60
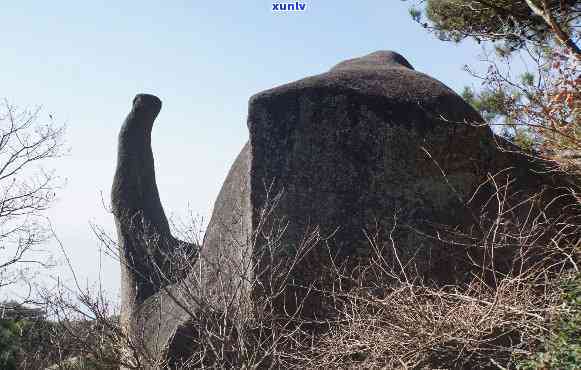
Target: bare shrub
27,189
251,320
496,317
383,313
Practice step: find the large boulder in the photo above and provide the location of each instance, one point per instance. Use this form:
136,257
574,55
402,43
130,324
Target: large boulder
370,147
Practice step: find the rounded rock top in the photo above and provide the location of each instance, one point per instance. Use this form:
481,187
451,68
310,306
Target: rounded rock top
384,74
383,59
147,101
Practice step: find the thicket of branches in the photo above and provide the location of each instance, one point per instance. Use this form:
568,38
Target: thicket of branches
538,104
27,187
382,313
27,190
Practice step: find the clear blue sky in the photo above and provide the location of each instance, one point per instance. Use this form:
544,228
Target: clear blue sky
83,61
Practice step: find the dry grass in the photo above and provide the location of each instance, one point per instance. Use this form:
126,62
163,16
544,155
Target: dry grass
417,327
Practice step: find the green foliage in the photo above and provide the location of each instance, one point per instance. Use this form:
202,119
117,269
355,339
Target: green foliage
528,79
40,343
10,343
490,104
563,349
495,107
511,22
416,14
